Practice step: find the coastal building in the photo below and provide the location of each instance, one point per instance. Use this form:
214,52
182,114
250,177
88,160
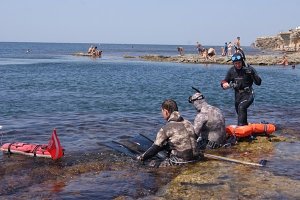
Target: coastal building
284,41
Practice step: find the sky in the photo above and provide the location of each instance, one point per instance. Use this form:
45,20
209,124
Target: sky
176,22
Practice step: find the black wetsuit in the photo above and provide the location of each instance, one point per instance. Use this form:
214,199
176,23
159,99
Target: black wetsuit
242,81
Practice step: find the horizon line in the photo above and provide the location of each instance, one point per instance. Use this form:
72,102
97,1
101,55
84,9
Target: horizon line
99,43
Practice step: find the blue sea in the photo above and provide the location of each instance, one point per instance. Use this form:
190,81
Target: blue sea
93,101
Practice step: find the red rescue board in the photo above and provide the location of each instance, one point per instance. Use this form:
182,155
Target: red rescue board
51,150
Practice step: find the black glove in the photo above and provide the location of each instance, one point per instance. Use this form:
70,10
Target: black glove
153,150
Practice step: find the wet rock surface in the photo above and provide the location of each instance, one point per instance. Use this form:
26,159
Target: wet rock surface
214,179
272,59
94,174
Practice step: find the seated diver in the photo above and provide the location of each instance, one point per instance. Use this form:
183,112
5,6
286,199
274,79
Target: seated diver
209,123
177,137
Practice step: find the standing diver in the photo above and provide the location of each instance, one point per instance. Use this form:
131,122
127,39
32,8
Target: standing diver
241,77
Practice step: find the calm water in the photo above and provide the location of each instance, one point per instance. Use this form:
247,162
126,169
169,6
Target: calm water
92,101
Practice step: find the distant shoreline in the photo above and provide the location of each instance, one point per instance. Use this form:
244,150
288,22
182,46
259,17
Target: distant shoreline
264,60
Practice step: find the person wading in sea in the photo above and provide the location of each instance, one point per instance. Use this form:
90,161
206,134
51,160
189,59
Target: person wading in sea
241,77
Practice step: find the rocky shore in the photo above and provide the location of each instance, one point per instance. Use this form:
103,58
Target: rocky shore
284,41
293,58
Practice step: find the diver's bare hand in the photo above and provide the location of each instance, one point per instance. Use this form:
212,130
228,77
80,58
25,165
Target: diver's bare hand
225,86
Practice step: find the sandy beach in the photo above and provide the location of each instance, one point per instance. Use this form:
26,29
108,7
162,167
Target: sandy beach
265,60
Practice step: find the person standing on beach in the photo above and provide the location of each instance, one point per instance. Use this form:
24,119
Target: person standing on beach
229,49
199,48
238,42
241,77
177,137
204,54
225,48
180,50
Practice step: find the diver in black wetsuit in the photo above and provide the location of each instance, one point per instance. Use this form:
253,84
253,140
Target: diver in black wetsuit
241,77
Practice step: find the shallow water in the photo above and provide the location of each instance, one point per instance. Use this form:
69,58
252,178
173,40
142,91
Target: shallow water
94,101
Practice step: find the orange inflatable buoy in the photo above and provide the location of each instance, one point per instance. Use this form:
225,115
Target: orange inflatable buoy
263,128
239,131
250,129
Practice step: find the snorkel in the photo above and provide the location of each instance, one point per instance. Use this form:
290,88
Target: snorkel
197,96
